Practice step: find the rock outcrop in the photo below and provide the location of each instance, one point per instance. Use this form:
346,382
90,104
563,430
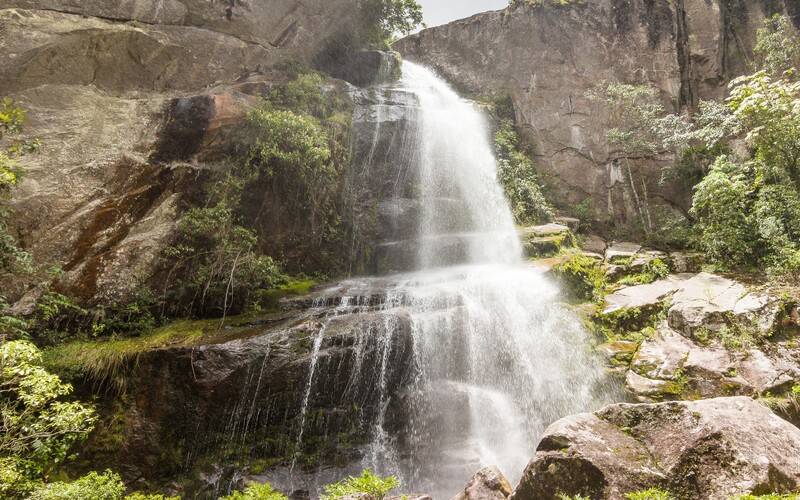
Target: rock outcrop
134,103
715,448
487,484
256,397
548,55
716,338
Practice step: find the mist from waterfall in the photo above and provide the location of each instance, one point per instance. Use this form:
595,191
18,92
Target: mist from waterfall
496,356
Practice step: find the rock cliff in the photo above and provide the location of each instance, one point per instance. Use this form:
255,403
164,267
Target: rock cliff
132,102
548,55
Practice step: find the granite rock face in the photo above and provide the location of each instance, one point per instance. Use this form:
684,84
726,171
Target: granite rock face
714,448
134,103
547,56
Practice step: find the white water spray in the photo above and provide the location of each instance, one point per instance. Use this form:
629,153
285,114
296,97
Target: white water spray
497,358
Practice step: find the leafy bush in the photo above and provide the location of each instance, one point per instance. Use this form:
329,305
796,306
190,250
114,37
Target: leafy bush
747,213
92,486
256,492
721,205
13,260
367,482
222,269
39,428
517,175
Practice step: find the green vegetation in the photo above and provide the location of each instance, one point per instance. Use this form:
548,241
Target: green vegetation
93,486
106,486
583,277
562,496
39,426
653,270
14,261
256,492
651,494
367,482
745,209
296,148
777,47
105,360
517,175
384,19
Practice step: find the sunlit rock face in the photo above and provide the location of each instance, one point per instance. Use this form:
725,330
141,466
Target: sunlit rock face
712,448
133,103
547,58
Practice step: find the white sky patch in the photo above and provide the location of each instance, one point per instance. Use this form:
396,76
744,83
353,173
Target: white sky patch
443,11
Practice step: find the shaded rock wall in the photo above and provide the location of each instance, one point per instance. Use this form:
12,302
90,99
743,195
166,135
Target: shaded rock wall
132,102
547,58
198,418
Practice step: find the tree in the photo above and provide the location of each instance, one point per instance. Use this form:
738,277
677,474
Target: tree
777,46
634,114
720,204
384,19
38,427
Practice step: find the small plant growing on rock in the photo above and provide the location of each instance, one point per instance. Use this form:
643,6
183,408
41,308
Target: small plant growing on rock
651,494
583,277
562,496
367,482
256,492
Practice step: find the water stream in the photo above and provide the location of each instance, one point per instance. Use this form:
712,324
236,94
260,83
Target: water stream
496,357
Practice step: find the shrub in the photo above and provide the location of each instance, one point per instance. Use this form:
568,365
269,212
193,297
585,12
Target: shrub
256,492
654,269
517,175
721,205
92,486
777,48
39,427
222,270
367,482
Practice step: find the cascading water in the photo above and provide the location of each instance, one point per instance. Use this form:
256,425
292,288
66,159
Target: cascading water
496,357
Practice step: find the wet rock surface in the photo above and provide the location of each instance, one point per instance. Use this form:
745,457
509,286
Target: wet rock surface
715,448
238,400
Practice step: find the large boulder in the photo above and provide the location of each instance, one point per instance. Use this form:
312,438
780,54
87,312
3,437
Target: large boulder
708,449
709,302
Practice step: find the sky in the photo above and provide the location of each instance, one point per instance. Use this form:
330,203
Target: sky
443,11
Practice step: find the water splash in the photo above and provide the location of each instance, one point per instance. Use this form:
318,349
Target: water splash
496,357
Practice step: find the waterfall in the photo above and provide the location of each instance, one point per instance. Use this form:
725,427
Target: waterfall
496,357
